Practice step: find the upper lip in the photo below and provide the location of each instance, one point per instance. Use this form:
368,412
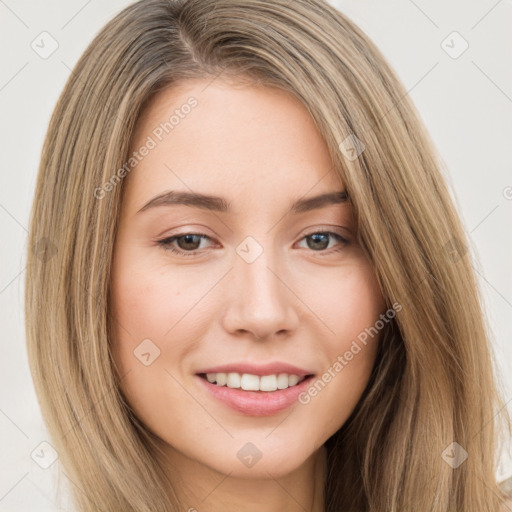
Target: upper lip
254,369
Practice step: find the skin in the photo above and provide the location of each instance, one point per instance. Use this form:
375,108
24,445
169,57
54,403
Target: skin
297,302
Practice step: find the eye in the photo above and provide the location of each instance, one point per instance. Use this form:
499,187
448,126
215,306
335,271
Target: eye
188,243
318,241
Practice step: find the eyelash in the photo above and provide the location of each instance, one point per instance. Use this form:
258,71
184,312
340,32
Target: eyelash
165,243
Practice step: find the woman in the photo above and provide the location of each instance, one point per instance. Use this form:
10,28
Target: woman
260,294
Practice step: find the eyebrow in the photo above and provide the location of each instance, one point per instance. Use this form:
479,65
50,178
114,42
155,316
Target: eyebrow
219,204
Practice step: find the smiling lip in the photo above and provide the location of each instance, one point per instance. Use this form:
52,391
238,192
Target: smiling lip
256,403
253,369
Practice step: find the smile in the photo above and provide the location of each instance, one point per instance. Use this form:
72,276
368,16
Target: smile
250,382
252,402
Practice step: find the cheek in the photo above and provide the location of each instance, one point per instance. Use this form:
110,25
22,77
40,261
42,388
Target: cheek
346,302
351,307
150,300
159,317
148,335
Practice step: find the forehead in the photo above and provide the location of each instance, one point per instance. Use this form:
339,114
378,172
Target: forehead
231,140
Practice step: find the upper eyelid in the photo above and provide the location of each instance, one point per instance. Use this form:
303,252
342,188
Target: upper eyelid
326,229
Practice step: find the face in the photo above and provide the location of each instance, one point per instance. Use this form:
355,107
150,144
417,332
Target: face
250,287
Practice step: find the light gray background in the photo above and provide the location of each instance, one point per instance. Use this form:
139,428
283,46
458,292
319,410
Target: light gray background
465,102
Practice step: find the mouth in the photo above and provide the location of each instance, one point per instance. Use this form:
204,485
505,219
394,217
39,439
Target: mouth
251,382
255,395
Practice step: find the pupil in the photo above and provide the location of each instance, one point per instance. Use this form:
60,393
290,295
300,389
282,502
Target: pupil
189,239
317,238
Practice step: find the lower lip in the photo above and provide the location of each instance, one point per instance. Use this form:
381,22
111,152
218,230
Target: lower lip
257,403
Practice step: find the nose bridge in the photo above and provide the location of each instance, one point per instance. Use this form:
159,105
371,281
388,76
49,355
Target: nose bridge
259,301
260,281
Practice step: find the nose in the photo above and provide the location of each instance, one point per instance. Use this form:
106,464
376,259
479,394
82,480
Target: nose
260,301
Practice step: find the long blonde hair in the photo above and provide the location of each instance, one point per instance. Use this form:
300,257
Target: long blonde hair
433,382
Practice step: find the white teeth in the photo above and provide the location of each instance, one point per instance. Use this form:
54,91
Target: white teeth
268,383
233,380
283,381
249,382
293,379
